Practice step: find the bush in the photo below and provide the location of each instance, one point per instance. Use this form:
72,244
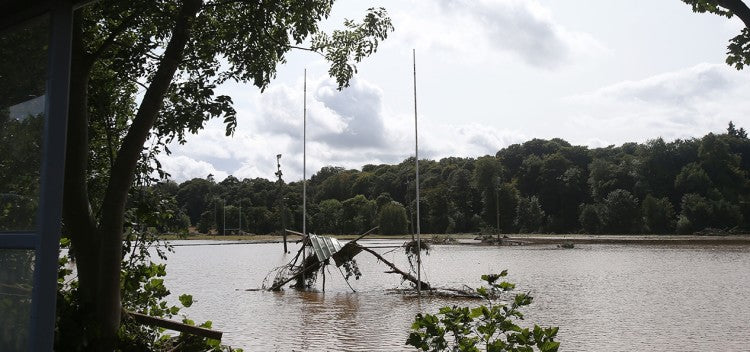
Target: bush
492,326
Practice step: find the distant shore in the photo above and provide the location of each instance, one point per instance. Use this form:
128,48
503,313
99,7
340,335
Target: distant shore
467,238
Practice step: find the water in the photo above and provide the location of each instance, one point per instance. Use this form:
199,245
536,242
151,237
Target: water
603,297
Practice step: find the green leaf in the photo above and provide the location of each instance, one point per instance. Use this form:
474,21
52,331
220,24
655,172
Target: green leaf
186,300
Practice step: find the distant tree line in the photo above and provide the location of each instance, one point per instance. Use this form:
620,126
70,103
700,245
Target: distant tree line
547,186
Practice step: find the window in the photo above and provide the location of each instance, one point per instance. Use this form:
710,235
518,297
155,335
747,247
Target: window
34,77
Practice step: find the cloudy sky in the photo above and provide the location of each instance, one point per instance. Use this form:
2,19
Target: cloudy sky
489,73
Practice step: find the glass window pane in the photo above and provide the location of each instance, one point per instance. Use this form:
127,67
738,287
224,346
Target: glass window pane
16,281
23,62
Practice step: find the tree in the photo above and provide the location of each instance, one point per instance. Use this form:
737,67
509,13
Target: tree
193,195
177,52
621,212
508,199
358,214
738,50
487,174
697,211
658,214
329,217
529,215
392,219
591,218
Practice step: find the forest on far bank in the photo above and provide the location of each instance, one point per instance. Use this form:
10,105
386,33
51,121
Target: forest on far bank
540,186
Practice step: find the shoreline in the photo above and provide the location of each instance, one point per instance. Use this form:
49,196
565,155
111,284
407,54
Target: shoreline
525,239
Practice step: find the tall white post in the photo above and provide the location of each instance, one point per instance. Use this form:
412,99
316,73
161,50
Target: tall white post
304,157
416,159
304,175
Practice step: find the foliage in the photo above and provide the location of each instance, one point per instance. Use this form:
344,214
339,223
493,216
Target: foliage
621,212
530,216
738,50
658,215
697,211
16,278
490,327
571,185
145,74
693,179
358,214
591,218
142,287
20,160
392,219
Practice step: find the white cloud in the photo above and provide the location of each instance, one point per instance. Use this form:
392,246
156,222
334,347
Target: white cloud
348,128
680,104
182,168
485,31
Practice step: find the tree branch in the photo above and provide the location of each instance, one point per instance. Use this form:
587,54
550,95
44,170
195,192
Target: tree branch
107,43
738,8
269,36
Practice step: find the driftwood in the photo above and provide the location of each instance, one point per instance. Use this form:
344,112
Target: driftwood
396,270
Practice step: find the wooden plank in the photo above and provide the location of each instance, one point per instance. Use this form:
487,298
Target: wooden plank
174,325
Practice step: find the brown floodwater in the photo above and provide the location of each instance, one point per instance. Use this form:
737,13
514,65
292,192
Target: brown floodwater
620,297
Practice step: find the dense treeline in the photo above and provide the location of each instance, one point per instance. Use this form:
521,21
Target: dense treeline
538,186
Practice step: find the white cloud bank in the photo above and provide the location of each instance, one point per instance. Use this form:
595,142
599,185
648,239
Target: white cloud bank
680,104
350,128
485,31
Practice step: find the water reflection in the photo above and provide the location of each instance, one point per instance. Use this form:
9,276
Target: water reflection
604,297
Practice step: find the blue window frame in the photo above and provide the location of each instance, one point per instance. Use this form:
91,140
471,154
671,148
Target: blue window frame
34,107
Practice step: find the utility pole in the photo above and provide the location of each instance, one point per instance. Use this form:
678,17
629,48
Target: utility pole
282,205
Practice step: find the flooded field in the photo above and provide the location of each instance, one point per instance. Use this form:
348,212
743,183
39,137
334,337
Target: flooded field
604,297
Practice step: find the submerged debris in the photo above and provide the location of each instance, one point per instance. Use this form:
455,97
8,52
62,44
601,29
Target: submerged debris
324,248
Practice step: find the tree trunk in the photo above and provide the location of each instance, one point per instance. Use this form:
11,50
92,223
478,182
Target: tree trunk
78,217
98,247
108,303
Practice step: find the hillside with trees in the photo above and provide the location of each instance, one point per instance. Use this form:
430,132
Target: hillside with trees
540,186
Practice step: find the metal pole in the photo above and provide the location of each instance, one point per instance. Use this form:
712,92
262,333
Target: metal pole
416,157
240,224
224,212
304,156
304,175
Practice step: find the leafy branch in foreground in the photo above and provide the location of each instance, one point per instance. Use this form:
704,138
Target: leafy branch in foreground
490,327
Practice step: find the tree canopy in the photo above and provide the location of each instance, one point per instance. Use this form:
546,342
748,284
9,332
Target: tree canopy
536,186
147,71
738,50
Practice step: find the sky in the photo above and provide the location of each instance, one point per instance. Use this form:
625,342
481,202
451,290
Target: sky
490,73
